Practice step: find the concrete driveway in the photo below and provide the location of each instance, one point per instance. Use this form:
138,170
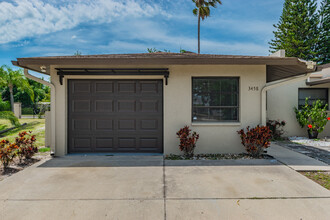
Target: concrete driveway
146,187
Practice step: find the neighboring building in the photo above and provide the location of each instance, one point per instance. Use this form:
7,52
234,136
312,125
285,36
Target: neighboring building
282,100
137,102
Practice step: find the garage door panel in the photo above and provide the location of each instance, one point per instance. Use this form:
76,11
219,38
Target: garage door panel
82,142
104,124
81,87
149,124
81,106
147,87
104,87
127,125
104,106
115,116
149,105
126,106
126,87
104,143
81,124
127,143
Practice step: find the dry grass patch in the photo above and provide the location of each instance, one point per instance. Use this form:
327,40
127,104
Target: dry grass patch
322,178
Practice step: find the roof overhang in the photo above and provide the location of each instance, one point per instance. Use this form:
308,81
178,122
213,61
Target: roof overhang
277,67
318,82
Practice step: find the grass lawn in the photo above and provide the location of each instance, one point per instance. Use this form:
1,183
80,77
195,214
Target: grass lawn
322,178
37,126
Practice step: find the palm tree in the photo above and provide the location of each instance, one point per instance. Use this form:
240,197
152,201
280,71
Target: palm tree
10,78
202,11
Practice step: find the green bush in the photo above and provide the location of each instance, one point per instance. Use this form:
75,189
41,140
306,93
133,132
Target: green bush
314,116
5,106
11,117
27,111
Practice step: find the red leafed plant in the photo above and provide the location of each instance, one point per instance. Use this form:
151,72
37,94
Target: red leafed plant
255,140
8,152
187,141
25,141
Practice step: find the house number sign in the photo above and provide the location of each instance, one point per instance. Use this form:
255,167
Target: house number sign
253,88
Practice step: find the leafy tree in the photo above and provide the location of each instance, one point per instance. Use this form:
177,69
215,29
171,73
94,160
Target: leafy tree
4,105
14,78
40,91
202,11
323,47
154,50
77,53
297,32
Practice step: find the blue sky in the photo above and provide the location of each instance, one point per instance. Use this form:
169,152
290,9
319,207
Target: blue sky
61,27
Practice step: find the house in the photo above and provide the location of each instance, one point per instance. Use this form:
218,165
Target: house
137,102
282,100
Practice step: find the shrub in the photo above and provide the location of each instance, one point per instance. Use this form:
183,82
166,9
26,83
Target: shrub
23,147
276,127
25,141
27,111
187,141
255,140
5,106
11,117
8,152
314,116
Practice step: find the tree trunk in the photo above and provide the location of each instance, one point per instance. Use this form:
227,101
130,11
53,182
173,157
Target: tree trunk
199,33
11,97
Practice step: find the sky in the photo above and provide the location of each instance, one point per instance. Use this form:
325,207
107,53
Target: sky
31,28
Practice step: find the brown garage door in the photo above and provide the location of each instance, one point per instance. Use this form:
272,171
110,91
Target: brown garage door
115,116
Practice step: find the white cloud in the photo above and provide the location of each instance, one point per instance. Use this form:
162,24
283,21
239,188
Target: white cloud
27,18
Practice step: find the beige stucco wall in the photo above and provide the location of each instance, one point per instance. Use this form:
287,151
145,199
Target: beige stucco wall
48,129
214,137
280,106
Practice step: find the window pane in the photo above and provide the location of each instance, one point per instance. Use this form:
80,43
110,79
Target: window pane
215,114
200,85
312,95
229,85
229,99
214,85
202,99
215,99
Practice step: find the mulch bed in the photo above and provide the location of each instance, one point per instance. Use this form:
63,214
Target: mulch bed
216,157
16,166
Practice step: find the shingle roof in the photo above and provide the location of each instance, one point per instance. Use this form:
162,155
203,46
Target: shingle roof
277,67
153,55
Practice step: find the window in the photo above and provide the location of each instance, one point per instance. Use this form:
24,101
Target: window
312,94
215,99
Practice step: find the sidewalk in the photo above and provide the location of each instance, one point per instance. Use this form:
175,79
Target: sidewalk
295,160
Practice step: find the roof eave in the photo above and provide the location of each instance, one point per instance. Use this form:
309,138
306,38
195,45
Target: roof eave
318,82
18,64
159,61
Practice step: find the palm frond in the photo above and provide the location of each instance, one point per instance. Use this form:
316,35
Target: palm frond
10,116
204,12
195,11
16,78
